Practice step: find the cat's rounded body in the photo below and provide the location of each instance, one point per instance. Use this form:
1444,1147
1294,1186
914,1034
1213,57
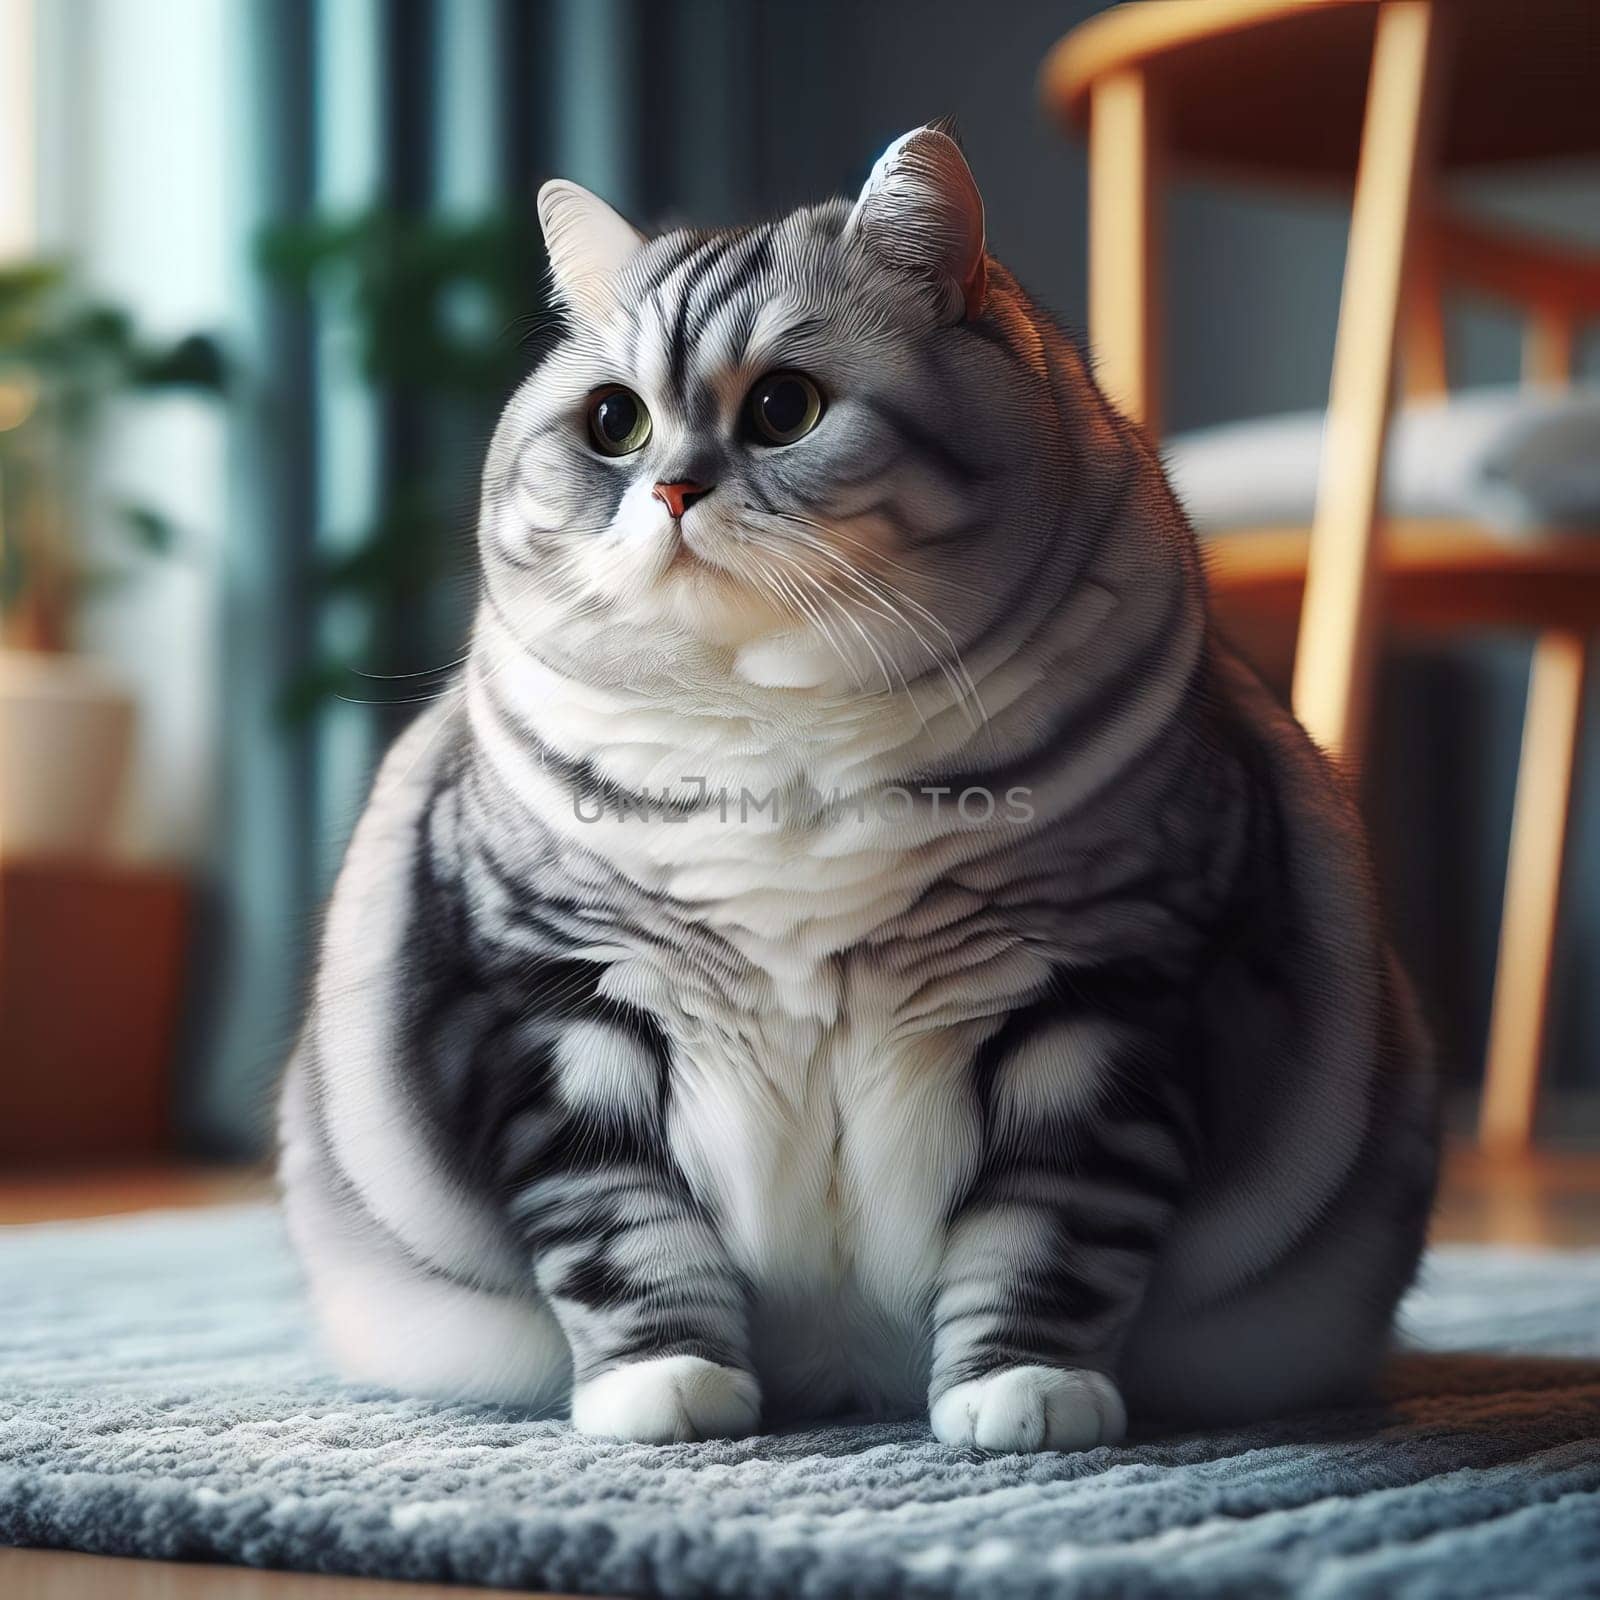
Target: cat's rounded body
857,941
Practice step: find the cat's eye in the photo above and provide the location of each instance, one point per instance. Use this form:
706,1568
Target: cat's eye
783,407
619,424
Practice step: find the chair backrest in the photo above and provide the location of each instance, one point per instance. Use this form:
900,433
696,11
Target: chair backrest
1557,287
1316,89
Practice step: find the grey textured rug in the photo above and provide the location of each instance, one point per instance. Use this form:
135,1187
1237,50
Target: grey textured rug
158,1398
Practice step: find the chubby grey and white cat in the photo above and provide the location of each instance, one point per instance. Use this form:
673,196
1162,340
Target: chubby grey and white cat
855,938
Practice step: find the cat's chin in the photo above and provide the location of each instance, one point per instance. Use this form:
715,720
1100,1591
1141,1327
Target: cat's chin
716,607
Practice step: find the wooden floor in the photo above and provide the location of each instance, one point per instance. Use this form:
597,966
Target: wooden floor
115,1191
1549,1200
55,1575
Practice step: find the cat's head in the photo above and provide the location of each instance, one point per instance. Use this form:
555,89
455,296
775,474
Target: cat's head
821,446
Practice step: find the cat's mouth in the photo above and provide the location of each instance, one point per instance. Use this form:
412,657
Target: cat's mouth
703,578
689,558
683,557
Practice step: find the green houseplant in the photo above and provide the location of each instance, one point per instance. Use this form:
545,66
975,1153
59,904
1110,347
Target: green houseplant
65,726
437,314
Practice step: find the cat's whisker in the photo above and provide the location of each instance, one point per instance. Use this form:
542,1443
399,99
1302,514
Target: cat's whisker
892,594
796,572
819,622
861,573
833,596
399,700
830,596
426,672
888,604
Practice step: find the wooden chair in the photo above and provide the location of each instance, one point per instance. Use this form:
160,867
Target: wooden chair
1384,94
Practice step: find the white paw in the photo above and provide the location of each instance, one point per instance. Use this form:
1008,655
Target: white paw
668,1401
1032,1408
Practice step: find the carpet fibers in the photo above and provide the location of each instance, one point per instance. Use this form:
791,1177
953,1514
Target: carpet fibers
159,1397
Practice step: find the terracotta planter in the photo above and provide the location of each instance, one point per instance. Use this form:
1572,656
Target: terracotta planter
91,948
91,981
66,743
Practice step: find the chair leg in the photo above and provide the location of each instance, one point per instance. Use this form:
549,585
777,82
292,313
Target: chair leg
1334,659
1551,731
1424,354
1549,346
1125,244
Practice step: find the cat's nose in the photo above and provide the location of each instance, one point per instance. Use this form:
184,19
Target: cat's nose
678,497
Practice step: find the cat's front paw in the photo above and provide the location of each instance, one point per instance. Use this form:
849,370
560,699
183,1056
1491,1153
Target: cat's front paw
1031,1408
670,1400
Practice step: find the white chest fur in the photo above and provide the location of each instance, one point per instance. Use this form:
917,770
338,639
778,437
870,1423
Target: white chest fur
830,1153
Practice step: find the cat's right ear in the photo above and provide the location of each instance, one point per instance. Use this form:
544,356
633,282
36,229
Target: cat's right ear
588,242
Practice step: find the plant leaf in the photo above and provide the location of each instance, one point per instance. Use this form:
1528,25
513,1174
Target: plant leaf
151,530
192,363
311,688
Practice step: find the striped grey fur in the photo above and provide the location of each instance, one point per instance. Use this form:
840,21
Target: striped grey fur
864,942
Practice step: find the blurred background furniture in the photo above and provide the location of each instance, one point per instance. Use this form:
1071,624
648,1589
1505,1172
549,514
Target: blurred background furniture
92,958
1479,521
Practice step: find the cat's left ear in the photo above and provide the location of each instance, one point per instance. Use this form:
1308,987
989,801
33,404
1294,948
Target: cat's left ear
920,212
588,242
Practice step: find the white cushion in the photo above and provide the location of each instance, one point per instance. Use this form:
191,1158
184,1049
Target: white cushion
1515,459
